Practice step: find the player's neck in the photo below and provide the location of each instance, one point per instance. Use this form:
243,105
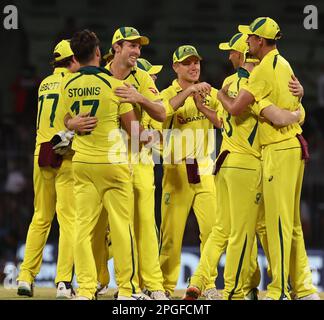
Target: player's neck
264,51
119,70
184,84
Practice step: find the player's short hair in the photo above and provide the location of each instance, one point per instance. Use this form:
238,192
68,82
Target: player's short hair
270,42
84,44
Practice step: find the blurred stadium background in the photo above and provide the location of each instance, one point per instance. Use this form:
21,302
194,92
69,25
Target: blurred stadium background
25,55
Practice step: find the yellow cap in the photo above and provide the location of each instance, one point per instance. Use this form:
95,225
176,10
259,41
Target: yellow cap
264,27
108,55
129,33
148,67
237,43
62,51
184,52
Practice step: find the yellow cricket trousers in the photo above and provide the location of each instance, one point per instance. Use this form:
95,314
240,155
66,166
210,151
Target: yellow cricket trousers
110,185
150,274
283,171
238,197
178,197
53,190
100,248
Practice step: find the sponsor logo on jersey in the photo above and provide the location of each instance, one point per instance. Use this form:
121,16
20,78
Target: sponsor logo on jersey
182,120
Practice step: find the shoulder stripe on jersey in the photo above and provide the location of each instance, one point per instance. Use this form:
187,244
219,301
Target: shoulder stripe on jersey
133,74
104,80
73,80
275,60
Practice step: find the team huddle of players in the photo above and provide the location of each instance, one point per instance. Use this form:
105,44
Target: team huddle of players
102,188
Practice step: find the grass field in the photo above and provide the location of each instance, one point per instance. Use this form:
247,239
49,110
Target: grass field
49,294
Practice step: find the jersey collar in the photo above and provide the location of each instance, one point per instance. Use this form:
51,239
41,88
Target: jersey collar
92,70
271,54
243,73
108,67
176,85
61,70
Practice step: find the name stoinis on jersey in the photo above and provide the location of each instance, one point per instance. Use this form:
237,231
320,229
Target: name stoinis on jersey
49,86
83,92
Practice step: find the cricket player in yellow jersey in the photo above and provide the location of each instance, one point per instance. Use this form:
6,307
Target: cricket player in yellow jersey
140,90
282,161
52,183
238,185
187,164
101,171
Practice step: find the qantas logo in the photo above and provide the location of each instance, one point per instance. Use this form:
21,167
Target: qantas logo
182,120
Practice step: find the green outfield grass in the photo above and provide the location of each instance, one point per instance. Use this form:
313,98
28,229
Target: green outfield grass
49,294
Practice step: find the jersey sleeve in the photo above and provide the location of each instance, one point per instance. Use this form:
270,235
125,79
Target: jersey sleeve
149,89
166,95
258,84
125,107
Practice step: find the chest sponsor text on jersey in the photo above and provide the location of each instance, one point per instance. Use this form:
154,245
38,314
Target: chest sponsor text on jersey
182,120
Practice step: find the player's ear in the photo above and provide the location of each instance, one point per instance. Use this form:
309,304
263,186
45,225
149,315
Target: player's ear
175,66
116,47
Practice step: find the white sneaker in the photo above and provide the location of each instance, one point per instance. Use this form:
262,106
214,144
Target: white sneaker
25,289
80,298
102,290
158,295
135,296
313,296
212,294
64,291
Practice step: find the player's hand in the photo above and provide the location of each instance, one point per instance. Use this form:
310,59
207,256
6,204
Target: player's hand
295,87
82,123
199,100
298,114
223,92
202,88
129,94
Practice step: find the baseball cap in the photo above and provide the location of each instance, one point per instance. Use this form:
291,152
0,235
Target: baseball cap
129,33
184,52
108,55
264,27
148,67
62,51
237,43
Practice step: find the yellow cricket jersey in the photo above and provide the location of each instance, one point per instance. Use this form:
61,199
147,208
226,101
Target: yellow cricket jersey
92,90
240,133
192,134
268,83
145,85
51,111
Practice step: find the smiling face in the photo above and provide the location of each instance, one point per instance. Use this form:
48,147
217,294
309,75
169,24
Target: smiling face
128,52
188,70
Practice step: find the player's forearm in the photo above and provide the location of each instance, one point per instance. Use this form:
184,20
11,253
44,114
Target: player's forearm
211,116
280,117
155,109
227,102
178,101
